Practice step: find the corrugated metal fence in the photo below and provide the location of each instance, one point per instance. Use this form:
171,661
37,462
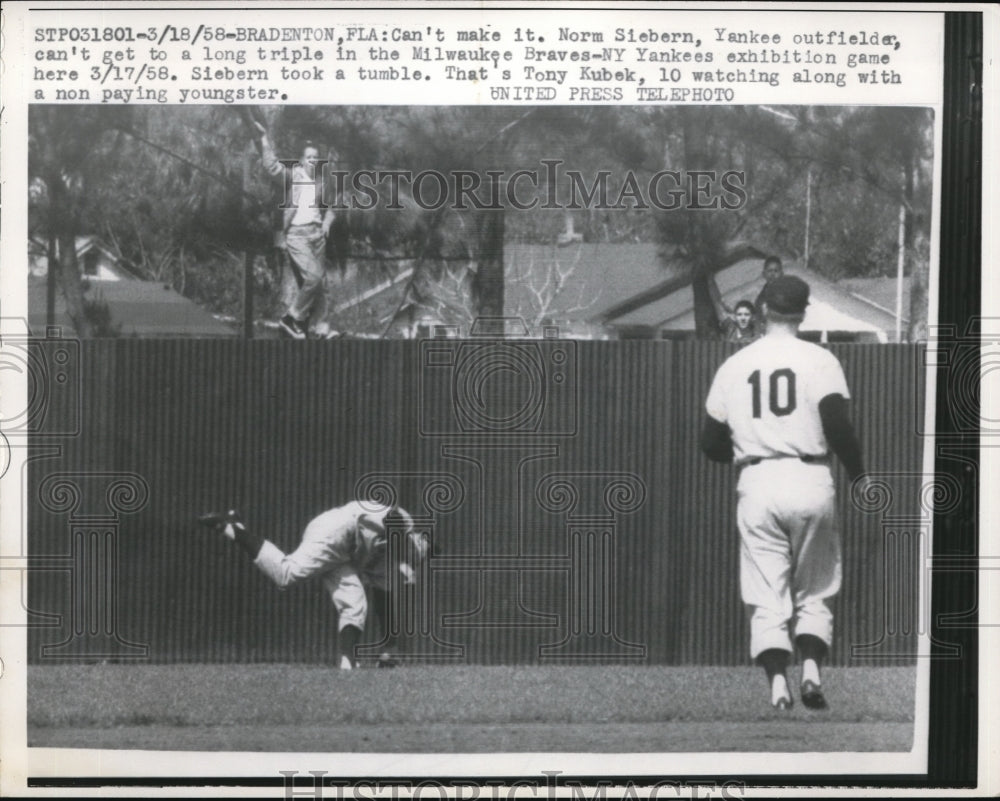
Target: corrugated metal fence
572,515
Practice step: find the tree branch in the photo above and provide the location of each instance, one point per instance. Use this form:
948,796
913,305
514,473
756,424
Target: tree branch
193,165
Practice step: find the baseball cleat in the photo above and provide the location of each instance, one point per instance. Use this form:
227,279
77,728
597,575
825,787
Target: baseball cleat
224,523
324,331
812,696
781,696
292,327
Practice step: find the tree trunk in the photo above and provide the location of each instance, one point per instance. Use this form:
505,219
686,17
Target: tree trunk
248,256
489,282
917,330
51,276
917,263
62,222
248,260
706,322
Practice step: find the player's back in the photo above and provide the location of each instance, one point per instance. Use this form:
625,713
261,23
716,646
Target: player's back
769,393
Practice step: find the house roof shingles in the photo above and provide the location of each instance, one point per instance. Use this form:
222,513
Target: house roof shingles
630,285
832,307
138,308
603,275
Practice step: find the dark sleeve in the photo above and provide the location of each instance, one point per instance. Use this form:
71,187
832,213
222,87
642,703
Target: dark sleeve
840,434
268,158
249,541
716,440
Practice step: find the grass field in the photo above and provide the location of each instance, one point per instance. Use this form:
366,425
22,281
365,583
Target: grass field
459,709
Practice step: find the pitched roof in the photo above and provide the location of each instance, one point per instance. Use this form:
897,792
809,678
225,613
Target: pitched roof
84,244
138,308
831,307
600,276
364,300
880,292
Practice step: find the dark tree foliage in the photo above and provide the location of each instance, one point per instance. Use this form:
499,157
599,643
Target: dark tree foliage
180,194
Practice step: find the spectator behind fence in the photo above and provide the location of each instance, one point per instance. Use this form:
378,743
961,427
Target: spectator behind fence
743,326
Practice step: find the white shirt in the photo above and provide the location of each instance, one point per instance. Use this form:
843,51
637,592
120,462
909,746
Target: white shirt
353,534
768,393
307,195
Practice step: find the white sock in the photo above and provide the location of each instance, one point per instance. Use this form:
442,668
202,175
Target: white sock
810,671
779,688
345,663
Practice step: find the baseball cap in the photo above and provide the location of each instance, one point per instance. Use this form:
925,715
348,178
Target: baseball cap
787,294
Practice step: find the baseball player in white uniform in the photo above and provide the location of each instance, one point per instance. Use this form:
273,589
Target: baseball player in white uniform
347,547
777,408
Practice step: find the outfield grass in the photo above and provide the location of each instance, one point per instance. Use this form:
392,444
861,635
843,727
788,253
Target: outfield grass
459,709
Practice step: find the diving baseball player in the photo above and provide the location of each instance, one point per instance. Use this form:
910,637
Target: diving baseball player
777,408
348,548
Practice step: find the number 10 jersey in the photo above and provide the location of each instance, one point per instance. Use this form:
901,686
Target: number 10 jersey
768,394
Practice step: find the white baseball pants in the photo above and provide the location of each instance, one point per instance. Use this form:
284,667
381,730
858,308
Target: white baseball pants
790,560
342,581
